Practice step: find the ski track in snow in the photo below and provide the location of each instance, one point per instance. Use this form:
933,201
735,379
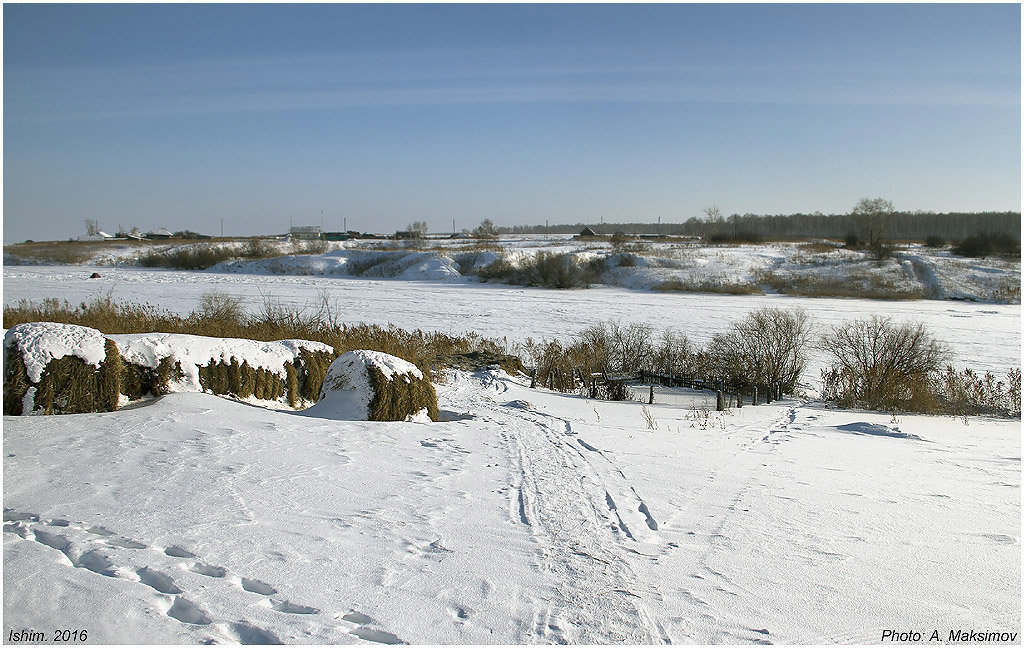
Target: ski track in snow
171,574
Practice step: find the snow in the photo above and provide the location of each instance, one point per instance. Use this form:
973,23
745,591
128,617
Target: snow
40,342
193,351
524,516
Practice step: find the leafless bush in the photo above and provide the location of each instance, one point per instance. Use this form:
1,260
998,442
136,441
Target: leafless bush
546,269
769,345
630,346
882,365
315,246
673,355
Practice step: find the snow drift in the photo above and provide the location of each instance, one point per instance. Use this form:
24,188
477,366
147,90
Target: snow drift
375,386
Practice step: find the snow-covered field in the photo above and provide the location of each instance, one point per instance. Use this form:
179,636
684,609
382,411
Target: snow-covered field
527,517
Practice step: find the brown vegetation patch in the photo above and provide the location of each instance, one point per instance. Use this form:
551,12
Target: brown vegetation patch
402,396
16,382
678,285
476,360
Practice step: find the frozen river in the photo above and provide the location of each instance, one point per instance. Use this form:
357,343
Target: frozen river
983,336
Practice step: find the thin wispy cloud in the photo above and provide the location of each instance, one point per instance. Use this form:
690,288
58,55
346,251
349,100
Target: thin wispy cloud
288,83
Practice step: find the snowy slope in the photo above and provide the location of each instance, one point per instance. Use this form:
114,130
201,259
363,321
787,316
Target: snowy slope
527,517
642,265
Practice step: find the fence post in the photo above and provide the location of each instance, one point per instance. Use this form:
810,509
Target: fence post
533,378
754,402
720,405
650,400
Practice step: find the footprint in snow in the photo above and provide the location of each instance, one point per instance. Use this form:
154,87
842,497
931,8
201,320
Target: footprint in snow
157,580
251,635
208,570
177,552
257,587
292,608
27,526
376,636
126,543
187,612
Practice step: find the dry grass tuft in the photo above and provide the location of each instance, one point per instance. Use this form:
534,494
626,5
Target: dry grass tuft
678,285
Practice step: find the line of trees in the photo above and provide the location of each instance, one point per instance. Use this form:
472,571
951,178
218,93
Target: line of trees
912,226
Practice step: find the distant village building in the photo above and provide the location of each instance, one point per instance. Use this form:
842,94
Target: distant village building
159,234
305,232
588,232
98,236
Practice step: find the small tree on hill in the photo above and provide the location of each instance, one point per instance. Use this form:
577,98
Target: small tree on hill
873,216
485,230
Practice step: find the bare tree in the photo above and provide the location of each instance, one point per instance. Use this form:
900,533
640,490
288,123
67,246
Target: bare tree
418,228
873,217
92,227
673,353
631,345
485,230
769,345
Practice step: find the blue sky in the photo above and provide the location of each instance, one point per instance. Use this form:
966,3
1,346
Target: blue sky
179,116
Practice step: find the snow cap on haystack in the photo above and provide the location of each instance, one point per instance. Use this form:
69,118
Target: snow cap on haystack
374,386
60,369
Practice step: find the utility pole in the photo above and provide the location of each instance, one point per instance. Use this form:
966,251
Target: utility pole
346,224
453,228
222,228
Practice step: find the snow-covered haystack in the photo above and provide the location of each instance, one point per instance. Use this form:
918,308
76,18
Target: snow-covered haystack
60,369
291,370
63,369
375,386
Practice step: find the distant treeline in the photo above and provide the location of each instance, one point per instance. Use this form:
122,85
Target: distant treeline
913,226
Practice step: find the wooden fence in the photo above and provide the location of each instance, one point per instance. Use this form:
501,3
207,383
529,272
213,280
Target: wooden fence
614,385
